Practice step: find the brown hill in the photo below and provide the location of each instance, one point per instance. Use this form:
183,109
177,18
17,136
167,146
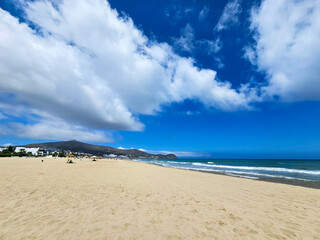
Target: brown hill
76,146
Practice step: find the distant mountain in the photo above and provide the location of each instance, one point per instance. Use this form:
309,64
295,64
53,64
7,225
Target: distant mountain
75,146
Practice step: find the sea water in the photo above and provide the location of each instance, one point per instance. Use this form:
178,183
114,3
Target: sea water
298,172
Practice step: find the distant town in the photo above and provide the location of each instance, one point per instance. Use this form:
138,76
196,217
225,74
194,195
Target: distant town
12,151
75,148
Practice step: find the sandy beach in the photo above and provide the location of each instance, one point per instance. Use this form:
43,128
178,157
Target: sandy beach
110,199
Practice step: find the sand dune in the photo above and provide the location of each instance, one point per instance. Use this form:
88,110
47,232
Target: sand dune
111,199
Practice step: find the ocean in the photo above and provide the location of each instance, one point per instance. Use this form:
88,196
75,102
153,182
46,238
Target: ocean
296,172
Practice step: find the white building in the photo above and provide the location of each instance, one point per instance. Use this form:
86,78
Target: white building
43,152
110,155
33,151
2,148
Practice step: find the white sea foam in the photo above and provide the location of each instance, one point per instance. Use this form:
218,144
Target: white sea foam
243,174
265,175
235,175
178,162
271,169
239,171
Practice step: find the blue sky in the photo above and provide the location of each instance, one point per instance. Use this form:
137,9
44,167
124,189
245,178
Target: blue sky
221,79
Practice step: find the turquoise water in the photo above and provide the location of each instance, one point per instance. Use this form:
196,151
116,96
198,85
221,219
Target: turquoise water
273,170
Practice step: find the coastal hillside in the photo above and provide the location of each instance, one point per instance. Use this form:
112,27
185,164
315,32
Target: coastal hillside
76,146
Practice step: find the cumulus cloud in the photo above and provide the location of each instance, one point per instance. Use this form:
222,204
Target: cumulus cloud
44,126
287,48
53,131
81,65
229,15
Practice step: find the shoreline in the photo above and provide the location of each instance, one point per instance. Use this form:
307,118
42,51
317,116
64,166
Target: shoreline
291,182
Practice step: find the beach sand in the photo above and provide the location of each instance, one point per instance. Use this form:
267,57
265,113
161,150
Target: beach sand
111,199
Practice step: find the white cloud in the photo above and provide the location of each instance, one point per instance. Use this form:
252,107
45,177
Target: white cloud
188,44
287,48
87,68
204,13
188,10
185,42
250,55
54,130
229,15
190,113
219,62
211,47
177,11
